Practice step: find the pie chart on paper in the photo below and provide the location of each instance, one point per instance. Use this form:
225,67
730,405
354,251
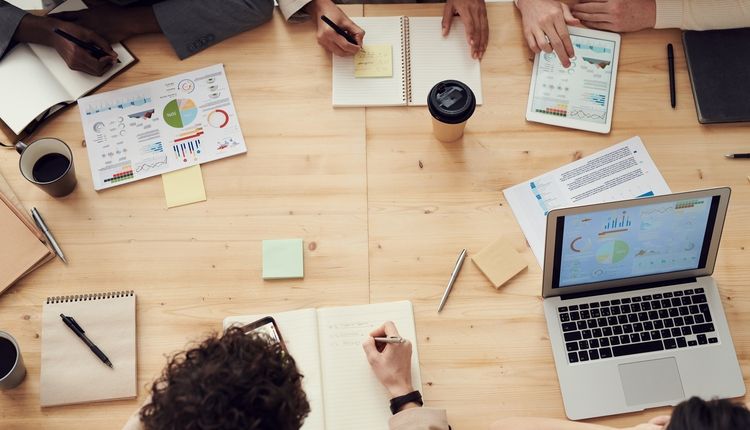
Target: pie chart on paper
180,113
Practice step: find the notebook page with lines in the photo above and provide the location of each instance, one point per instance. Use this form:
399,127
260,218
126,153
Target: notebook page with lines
349,91
354,397
435,58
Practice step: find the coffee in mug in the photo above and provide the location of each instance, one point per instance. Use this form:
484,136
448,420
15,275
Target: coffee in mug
451,103
48,163
12,369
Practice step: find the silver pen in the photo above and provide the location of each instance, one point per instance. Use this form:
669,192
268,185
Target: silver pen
390,339
452,280
47,233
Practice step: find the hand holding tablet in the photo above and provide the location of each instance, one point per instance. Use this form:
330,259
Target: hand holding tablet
580,96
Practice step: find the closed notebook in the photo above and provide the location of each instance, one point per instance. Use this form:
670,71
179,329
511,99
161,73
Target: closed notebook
71,372
421,57
326,344
718,64
21,246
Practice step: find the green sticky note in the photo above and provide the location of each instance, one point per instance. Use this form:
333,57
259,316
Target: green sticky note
283,259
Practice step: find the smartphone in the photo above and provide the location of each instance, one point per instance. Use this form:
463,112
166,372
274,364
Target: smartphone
266,326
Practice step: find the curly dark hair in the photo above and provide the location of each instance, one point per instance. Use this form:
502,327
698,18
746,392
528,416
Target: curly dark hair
236,381
698,414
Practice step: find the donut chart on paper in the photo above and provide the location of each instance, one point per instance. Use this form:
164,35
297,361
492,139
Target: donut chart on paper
218,118
180,113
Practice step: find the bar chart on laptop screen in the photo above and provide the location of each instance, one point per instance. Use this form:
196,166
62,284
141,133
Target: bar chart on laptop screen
635,241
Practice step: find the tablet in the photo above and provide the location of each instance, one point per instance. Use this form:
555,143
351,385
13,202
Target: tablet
582,95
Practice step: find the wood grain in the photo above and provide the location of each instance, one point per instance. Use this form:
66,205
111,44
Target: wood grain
386,205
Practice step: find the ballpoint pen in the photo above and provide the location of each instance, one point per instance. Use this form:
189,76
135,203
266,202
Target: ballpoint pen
93,49
670,64
390,339
452,280
737,155
341,32
78,330
47,233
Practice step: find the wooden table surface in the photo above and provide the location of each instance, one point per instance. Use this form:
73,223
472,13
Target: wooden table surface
383,207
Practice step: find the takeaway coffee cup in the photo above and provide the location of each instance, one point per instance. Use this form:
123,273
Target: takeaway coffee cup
48,163
12,370
451,104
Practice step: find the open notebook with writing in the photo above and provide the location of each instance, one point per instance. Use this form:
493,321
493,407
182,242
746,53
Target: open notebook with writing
71,373
36,82
422,57
326,343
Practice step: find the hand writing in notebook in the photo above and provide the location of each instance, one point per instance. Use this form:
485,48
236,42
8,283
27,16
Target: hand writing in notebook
473,14
327,36
391,362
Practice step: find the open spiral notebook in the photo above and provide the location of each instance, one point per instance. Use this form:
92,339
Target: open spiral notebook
422,57
71,373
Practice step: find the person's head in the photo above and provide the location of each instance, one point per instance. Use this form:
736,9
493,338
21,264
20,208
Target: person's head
236,381
697,414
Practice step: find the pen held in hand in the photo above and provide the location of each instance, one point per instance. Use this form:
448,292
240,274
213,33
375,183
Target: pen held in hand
340,31
390,339
93,49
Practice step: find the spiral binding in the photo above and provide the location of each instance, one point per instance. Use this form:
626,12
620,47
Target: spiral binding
406,61
89,297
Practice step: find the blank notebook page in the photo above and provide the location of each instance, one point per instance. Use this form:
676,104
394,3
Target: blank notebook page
354,397
299,329
350,91
435,58
71,373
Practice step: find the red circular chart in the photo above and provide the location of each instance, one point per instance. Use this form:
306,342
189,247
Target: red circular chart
218,118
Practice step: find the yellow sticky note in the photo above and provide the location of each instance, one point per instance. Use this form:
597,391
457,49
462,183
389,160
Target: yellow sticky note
184,186
499,262
374,61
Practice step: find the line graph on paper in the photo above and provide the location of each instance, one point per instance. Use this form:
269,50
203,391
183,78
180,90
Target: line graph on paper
151,163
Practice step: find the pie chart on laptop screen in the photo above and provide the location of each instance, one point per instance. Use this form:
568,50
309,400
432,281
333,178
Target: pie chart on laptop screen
180,113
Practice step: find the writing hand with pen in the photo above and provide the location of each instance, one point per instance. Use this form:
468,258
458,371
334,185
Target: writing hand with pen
327,36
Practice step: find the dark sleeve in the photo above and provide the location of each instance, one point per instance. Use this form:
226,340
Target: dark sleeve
10,17
193,25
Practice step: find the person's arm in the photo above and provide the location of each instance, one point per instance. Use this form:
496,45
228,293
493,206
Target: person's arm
327,37
545,27
193,25
10,18
634,15
391,364
702,14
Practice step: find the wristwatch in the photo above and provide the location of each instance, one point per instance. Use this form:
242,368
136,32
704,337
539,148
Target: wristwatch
398,402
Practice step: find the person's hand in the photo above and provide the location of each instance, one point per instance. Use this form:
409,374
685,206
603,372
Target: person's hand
656,423
327,37
114,23
616,15
545,27
473,14
36,29
390,362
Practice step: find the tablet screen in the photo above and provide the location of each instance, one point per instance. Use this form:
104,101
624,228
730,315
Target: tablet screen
581,91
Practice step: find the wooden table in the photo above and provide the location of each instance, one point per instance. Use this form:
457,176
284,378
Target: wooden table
383,207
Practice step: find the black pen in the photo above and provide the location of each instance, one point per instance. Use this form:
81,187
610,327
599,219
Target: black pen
343,33
93,49
670,62
737,155
78,330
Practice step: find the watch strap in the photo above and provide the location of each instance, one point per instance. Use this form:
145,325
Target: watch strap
398,402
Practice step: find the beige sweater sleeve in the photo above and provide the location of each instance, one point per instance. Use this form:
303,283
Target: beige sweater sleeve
702,14
419,419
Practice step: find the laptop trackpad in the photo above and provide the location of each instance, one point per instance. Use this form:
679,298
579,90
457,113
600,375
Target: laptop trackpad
652,381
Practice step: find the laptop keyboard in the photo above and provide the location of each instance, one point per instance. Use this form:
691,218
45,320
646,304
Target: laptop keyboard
647,323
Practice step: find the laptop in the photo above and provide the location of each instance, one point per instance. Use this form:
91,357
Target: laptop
634,317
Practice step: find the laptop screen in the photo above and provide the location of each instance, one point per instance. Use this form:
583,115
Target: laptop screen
622,243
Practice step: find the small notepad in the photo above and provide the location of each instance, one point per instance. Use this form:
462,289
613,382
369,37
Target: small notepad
374,61
184,186
71,372
499,262
283,259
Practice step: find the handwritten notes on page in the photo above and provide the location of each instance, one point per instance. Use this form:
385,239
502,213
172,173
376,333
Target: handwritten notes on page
374,61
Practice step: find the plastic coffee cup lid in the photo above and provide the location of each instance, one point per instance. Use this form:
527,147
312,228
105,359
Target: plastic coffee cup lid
451,102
